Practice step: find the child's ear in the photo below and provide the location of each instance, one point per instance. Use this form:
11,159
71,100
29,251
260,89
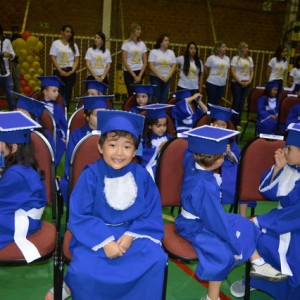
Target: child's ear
150,127
100,149
14,148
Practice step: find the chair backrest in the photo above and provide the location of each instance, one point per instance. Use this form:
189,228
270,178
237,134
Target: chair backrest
256,158
206,120
85,152
48,122
76,121
285,107
45,157
129,103
169,171
252,99
283,95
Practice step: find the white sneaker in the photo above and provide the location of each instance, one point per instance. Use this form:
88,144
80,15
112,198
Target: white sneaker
207,298
266,272
237,289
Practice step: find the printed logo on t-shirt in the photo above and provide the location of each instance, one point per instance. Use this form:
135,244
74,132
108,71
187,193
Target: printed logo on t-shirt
164,64
64,59
245,69
280,72
221,70
99,64
192,72
136,58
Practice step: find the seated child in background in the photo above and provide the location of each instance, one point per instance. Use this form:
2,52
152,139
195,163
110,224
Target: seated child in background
91,106
95,87
221,240
280,242
267,109
22,189
187,110
155,135
117,226
294,114
143,96
50,89
34,109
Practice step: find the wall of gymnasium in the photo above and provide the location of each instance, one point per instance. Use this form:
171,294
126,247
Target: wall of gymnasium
184,20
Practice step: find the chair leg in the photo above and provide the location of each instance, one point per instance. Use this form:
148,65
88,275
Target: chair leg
58,270
247,281
164,295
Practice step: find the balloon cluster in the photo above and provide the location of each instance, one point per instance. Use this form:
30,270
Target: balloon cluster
27,49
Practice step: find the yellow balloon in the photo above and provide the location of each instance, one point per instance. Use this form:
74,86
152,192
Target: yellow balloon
31,83
27,77
37,58
23,53
29,59
23,71
22,59
31,71
36,65
40,71
25,65
19,44
39,46
32,42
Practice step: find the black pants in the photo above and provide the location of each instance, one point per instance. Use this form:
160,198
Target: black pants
129,80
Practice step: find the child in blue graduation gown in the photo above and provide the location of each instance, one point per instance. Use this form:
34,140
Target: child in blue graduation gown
91,106
294,114
267,109
187,110
155,135
221,240
280,241
117,225
50,89
22,189
143,96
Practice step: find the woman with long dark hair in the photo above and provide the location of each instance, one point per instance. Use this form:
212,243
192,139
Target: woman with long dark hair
64,55
191,69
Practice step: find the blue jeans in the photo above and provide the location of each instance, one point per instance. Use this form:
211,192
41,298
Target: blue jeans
214,93
239,94
7,84
162,88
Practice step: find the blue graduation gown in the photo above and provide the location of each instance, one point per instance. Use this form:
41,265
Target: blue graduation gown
75,137
21,187
265,124
150,155
184,116
286,220
104,213
61,128
294,115
217,236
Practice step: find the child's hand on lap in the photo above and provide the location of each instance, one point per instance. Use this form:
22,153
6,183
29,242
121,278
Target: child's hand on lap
125,242
113,250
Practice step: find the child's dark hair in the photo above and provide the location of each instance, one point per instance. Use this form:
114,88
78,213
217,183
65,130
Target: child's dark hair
24,155
119,134
267,92
71,40
103,37
87,112
207,160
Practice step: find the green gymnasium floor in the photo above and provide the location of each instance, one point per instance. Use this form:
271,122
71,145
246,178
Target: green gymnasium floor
31,282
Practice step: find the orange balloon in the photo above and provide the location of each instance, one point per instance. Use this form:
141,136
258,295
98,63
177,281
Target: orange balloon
26,35
27,90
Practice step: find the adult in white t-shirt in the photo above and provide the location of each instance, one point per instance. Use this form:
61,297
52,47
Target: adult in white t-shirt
190,70
134,58
294,76
277,66
242,70
216,70
98,59
64,55
162,64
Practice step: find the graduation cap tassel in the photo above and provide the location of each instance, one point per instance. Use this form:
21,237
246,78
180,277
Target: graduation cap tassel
139,151
2,160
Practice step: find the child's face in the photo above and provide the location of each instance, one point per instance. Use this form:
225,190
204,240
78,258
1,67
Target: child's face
273,92
219,124
293,155
160,127
141,99
51,93
117,151
4,148
92,92
92,119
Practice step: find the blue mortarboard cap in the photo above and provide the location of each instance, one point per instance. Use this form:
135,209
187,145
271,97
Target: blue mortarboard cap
221,113
50,81
110,120
182,94
156,111
293,137
208,139
297,87
32,106
96,85
15,127
271,84
144,88
94,102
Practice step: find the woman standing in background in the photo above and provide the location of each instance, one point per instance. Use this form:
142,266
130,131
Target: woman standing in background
64,55
134,58
294,76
